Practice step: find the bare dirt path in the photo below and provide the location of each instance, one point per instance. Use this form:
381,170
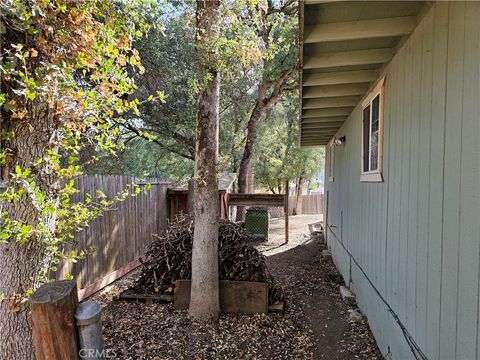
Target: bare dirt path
315,324
312,285
297,230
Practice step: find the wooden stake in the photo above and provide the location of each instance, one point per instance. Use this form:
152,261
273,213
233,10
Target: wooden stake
286,210
53,323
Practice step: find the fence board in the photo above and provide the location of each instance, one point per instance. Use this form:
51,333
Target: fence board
121,235
311,204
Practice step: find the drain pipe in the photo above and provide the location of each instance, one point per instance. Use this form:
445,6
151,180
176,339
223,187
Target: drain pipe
89,324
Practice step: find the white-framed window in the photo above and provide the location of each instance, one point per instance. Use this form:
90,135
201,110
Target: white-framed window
372,134
331,159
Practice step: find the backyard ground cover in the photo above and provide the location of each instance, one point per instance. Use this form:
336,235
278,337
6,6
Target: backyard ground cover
315,324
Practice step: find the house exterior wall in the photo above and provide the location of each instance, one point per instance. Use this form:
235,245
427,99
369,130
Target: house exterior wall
410,245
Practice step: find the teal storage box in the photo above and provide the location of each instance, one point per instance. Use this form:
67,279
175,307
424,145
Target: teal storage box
256,222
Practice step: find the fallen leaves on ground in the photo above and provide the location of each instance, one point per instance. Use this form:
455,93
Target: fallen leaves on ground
315,324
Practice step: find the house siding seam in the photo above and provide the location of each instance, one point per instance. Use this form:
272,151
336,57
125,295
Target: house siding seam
413,240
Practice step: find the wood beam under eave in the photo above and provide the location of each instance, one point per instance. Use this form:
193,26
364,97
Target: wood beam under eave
333,102
317,141
314,130
321,126
314,143
362,29
321,129
325,120
311,145
339,77
334,90
348,58
319,134
320,113
325,139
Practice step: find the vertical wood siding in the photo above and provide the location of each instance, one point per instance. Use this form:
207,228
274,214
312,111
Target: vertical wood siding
416,236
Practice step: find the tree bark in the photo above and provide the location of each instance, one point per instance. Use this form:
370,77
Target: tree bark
265,99
252,131
20,263
191,197
251,179
251,138
204,300
299,191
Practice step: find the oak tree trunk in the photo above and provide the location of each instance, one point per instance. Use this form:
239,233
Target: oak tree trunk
191,197
298,193
265,100
246,162
204,300
20,263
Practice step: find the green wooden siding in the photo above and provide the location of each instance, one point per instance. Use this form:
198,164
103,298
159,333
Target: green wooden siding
416,235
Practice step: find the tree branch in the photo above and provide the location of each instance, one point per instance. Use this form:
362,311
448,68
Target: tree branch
137,132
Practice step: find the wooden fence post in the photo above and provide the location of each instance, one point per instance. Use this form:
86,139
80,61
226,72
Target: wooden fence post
53,323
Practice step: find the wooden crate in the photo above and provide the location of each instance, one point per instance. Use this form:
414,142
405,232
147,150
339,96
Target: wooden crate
238,297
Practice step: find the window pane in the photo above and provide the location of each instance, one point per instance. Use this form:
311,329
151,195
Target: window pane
375,133
366,138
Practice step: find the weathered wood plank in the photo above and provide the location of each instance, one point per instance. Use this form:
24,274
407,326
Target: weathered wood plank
256,199
131,295
239,297
119,236
107,280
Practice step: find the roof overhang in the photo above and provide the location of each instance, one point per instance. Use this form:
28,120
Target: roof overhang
344,46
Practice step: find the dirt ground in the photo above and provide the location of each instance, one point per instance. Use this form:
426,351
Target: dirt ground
315,324
297,229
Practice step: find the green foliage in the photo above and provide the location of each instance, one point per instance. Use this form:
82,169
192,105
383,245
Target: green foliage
140,157
279,155
76,59
257,43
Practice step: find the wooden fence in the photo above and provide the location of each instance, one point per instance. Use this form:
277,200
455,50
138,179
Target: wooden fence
311,204
120,236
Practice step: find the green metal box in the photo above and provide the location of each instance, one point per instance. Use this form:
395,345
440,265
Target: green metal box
256,222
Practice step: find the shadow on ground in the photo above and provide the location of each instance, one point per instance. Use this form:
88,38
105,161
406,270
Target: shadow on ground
312,282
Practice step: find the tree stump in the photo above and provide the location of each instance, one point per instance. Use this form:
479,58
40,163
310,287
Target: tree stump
53,323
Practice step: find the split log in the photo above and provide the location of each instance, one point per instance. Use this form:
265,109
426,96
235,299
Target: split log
169,257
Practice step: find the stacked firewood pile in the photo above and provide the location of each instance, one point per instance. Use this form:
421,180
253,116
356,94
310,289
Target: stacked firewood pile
169,258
